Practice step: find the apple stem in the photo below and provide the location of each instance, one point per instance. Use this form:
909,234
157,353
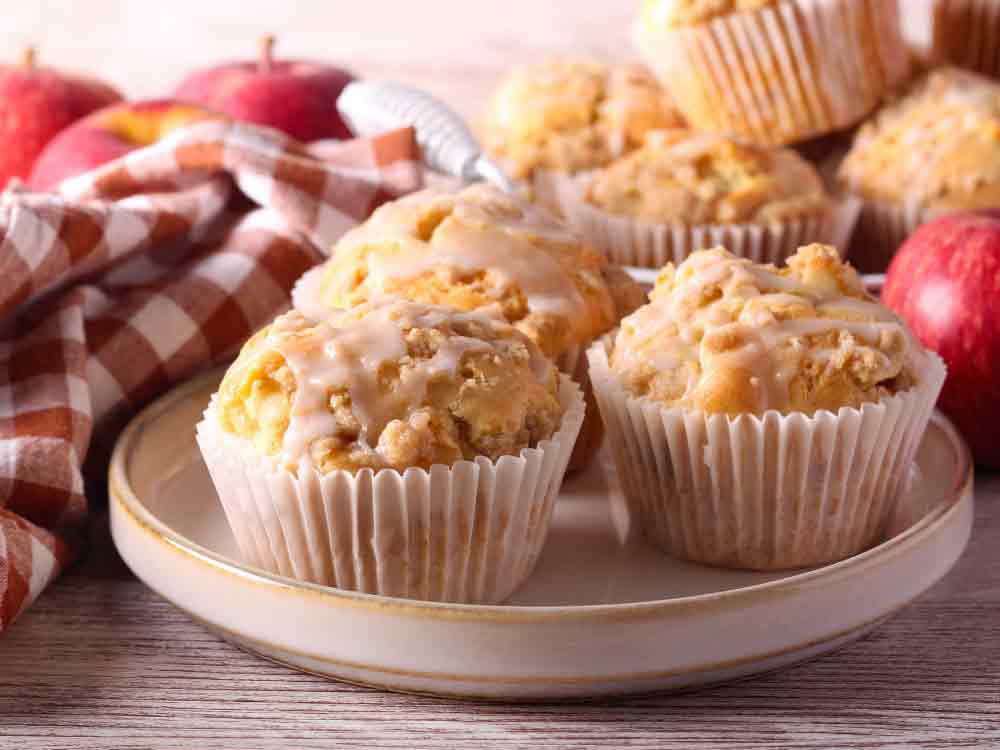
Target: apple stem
28,58
266,50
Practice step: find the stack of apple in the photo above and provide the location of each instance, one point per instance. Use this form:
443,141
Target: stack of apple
54,125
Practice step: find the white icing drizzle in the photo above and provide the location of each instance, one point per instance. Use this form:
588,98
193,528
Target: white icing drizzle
483,232
326,358
726,313
307,295
545,284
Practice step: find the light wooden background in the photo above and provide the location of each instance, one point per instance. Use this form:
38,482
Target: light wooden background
452,47
101,662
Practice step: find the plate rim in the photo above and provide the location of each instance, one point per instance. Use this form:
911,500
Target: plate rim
124,496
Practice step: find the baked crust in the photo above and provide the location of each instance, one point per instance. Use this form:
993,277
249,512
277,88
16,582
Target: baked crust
390,384
680,13
572,115
695,178
938,147
725,335
480,249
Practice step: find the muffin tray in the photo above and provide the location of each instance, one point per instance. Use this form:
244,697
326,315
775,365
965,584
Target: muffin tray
604,613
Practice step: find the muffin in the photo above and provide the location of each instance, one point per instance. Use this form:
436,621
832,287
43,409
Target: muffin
955,32
685,191
395,448
774,71
480,249
935,150
760,417
562,116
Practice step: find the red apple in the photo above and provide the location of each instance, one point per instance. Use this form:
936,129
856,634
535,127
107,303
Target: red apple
298,97
945,282
108,134
35,104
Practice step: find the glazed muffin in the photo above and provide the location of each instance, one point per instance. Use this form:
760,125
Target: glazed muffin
708,179
935,150
774,71
685,191
480,249
562,116
761,417
955,32
417,422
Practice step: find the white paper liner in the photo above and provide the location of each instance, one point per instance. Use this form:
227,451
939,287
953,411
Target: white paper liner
881,228
633,242
957,32
468,533
917,28
765,493
545,189
573,362
782,73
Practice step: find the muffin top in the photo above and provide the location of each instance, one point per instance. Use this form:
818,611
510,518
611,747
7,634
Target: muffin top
677,13
724,335
679,176
570,115
479,248
938,147
390,384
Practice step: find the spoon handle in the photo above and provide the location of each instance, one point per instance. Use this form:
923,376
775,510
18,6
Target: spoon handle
372,107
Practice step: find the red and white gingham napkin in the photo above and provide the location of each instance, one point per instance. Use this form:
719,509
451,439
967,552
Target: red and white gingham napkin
133,277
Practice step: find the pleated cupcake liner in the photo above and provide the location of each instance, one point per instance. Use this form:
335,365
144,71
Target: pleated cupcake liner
782,73
636,242
573,362
956,32
881,228
469,533
545,187
763,493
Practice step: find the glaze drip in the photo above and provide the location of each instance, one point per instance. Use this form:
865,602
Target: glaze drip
359,371
472,249
723,332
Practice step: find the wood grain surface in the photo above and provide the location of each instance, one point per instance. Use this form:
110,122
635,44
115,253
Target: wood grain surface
102,662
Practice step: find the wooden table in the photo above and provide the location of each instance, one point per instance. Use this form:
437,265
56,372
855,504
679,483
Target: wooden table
101,662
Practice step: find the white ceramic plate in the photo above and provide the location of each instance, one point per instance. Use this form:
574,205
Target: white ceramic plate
604,613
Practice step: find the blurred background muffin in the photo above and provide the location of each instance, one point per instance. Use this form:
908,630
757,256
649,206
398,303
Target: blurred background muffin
761,417
562,116
480,249
684,191
706,179
935,150
432,401
774,71
747,339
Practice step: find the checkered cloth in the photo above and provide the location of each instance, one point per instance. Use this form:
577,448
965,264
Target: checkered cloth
133,277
